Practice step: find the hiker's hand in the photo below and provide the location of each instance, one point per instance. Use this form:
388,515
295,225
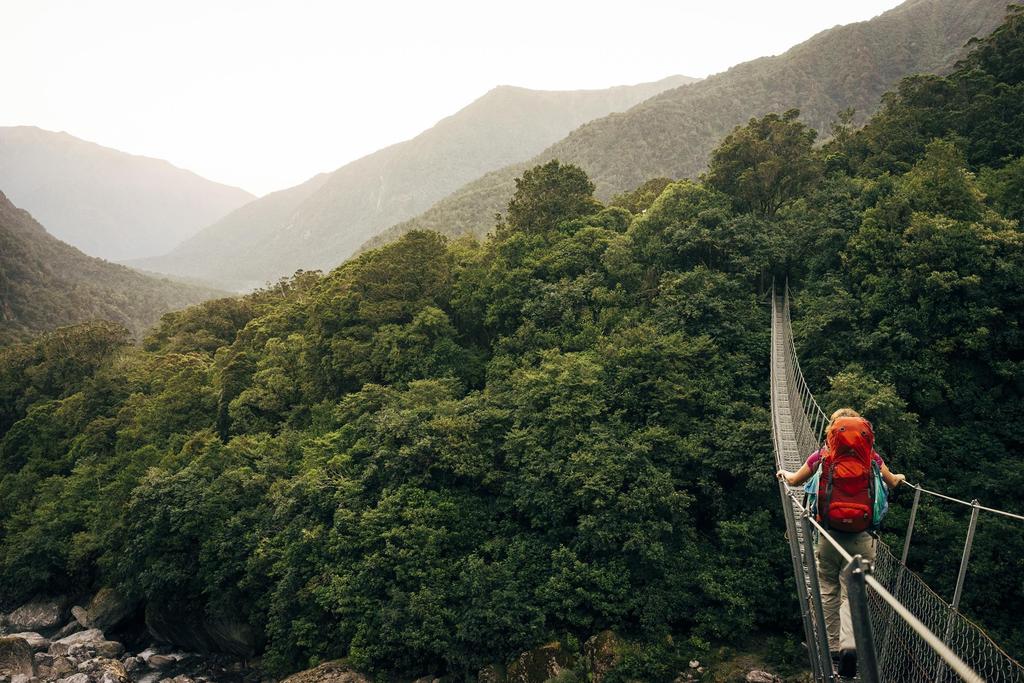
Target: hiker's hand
782,475
899,479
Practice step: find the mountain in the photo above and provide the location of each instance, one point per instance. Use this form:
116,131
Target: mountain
671,134
105,202
323,221
45,283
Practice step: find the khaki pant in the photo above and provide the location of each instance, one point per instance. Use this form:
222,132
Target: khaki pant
834,601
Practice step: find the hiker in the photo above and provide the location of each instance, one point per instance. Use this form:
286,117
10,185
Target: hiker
849,519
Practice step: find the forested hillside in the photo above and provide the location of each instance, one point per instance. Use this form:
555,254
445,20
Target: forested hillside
45,284
319,224
107,203
671,135
443,453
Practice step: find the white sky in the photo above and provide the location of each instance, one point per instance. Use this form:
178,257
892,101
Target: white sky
263,94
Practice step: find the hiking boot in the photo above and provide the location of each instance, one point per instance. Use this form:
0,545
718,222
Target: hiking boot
848,663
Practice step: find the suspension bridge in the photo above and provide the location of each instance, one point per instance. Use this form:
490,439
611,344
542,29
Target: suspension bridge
904,631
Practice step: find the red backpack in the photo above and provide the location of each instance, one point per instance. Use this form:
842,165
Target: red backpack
845,494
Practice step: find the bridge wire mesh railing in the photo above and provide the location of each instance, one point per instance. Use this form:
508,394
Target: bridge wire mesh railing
917,636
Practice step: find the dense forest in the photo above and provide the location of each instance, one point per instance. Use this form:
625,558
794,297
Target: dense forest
445,452
45,284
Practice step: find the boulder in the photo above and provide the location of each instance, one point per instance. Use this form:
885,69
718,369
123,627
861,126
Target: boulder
80,615
337,671
233,637
16,657
107,609
160,661
103,670
34,640
111,649
758,676
183,628
492,673
71,627
64,645
190,631
40,615
539,664
133,664
602,653
75,678
79,652
42,659
62,666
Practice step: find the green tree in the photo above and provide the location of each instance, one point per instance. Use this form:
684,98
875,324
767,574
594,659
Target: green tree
766,163
548,195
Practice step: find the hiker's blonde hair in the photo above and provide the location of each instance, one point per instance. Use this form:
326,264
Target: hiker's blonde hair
842,412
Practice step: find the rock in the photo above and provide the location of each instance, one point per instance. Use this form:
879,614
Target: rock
42,659
103,670
108,608
62,666
601,654
79,652
133,663
233,637
80,615
77,678
337,671
492,673
16,657
160,661
71,627
694,664
41,615
179,627
34,640
63,645
111,649
44,673
539,664
758,676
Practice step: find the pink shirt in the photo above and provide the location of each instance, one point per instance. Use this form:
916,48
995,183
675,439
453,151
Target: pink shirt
814,459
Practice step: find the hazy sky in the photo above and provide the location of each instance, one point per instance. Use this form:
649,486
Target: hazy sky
264,94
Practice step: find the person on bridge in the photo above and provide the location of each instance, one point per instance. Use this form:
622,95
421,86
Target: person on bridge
847,432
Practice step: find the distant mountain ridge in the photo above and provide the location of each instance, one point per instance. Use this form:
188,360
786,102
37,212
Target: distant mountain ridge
672,134
105,202
320,223
45,284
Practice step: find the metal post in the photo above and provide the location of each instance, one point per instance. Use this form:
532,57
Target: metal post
940,667
900,572
910,527
967,556
821,632
856,590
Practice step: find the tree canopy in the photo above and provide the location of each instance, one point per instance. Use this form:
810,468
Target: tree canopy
445,452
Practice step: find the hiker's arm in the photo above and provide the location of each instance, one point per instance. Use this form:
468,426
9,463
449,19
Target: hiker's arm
795,478
892,480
